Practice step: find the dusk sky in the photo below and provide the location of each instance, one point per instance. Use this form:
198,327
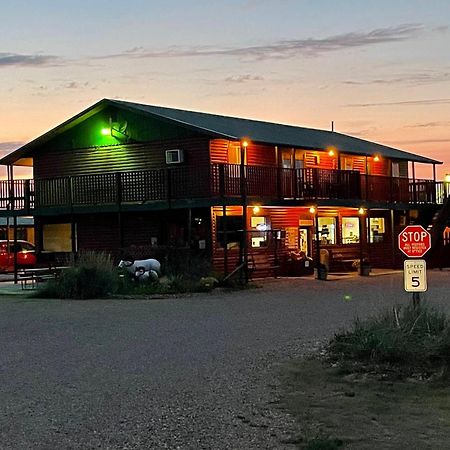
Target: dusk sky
379,69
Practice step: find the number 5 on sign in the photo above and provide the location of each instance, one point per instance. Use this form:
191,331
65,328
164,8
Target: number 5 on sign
415,275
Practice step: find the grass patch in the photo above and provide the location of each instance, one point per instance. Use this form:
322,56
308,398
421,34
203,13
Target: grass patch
92,276
405,340
381,384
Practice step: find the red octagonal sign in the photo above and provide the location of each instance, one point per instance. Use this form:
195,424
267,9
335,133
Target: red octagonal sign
414,241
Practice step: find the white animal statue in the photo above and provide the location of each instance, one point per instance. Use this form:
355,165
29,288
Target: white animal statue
142,275
146,264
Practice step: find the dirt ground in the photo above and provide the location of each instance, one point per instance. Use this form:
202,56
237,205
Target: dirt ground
366,412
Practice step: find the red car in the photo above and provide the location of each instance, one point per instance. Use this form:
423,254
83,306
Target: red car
26,255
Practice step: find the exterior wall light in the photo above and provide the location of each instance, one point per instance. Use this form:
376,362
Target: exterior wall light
376,158
106,131
312,210
245,143
361,211
447,178
256,210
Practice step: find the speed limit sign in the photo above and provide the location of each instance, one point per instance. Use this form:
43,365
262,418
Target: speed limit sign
415,275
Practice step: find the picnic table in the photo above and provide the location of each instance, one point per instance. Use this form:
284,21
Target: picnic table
29,278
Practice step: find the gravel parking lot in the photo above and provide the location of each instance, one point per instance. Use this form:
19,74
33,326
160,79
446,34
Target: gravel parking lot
192,373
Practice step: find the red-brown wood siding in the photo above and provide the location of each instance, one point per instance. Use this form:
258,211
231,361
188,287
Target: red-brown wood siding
320,160
261,155
257,154
128,157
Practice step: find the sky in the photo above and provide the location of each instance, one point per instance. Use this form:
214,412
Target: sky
379,69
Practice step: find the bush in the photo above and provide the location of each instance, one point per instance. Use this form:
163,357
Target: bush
92,276
405,336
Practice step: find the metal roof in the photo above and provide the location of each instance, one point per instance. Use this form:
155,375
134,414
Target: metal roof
236,128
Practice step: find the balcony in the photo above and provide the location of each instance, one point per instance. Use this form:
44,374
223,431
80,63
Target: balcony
212,183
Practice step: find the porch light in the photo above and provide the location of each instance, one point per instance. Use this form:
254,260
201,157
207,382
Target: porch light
312,210
245,143
361,211
331,153
106,131
376,158
256,210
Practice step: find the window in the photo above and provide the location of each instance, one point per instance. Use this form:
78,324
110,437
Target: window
377,229
57,237
286,159
260,230
327,230
234,231
234,154
350,230
395,169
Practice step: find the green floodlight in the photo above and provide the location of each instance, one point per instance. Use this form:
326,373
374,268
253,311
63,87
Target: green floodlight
106,131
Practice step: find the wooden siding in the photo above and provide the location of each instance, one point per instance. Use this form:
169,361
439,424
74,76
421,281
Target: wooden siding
99,232
257,154
118,158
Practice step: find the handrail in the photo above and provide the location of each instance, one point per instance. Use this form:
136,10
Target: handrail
212,181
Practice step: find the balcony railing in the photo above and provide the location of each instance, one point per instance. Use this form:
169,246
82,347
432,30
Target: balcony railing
213,181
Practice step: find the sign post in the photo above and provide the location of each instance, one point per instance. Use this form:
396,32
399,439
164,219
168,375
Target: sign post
414,241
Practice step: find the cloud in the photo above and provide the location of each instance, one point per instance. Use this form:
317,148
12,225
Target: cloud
285,49
411,79
243,78
16,59
436,101
9,146
421,141
435,124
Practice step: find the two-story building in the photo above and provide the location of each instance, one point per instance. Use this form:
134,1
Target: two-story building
130,178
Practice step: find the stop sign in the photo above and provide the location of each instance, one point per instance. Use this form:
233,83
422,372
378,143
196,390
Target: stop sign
414,241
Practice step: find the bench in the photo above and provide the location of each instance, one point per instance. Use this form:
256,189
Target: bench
29,278
343,258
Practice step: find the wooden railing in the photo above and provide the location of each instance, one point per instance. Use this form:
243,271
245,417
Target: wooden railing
212,181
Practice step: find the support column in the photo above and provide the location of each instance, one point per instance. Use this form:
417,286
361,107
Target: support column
15,250
225,240
316,226
414,182
393,240
244,242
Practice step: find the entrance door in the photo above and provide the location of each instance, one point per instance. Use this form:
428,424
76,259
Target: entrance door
304,240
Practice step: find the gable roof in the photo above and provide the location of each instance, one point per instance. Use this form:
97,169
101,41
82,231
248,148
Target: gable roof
233,128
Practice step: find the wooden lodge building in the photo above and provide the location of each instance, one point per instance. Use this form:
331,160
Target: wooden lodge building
130,178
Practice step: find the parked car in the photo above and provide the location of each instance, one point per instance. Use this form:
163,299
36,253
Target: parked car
26,255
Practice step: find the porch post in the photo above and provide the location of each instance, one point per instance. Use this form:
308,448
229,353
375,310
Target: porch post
189,227
225,240
15,249
393,240
316,226
434,192
414,182
244,252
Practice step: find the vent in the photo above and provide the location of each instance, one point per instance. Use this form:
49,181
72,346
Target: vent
175,156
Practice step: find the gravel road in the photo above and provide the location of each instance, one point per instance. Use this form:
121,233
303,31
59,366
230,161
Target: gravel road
191,373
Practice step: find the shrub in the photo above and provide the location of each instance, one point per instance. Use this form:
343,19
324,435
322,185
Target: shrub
92,276
405,336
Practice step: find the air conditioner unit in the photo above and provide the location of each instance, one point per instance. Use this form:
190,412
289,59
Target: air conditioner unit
174,156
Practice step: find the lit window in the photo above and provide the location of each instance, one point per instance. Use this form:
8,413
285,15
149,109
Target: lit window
327,230
377,229
350,230
260,230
